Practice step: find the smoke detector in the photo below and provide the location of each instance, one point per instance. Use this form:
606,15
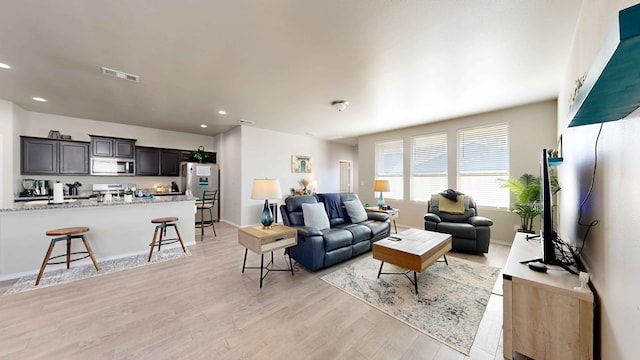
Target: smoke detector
340,104
120,74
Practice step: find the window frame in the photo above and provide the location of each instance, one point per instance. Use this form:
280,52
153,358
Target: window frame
396,179
505,194
443,135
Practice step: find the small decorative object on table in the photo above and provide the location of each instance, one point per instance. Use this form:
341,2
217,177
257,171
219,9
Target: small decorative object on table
308,187
128,195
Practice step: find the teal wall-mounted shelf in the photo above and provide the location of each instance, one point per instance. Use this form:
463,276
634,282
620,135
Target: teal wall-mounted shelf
611,90
555,161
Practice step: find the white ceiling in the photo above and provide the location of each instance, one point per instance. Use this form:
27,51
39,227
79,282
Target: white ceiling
280,63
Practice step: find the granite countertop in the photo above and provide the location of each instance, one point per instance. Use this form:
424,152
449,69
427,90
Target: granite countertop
86,203
45,197
163,193
89,195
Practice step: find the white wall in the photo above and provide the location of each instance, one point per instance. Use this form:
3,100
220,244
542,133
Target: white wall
39,124
267,154
6,148
613,246
230,173
531,129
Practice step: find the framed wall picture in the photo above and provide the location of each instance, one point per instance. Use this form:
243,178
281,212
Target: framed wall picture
300,164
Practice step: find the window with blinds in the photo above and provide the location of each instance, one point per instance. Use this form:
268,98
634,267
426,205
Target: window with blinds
483,158
428,166
389,166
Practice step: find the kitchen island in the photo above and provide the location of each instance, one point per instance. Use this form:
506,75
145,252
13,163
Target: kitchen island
118,229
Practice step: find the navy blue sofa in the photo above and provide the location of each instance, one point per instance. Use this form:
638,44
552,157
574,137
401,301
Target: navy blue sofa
318,249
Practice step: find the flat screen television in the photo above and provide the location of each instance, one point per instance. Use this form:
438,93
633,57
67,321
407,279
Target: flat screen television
548,236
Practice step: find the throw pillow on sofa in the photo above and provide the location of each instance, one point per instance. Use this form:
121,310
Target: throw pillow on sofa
356,211
315,217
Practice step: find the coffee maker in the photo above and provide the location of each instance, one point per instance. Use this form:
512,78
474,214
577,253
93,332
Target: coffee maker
28,187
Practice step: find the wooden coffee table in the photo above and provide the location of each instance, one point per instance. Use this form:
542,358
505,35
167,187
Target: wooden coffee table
416,251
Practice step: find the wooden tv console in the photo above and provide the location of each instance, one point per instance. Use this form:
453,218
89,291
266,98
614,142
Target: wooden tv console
543,316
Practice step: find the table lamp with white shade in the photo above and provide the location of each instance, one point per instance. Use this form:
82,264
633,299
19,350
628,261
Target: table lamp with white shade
381,186
266,189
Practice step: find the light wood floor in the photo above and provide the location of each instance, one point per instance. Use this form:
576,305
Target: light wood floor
203,307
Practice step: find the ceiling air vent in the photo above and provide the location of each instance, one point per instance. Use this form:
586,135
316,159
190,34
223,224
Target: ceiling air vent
120,74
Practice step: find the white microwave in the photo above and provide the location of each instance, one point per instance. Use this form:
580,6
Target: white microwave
111,166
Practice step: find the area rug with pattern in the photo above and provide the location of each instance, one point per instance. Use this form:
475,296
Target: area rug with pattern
79,272
450,303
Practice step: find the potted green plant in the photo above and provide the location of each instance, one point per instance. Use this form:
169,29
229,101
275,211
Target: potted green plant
199,154
128,195
526,188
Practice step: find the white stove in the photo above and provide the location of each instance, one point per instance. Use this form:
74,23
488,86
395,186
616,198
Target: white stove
112,188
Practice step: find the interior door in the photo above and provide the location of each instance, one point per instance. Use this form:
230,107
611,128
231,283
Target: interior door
345,176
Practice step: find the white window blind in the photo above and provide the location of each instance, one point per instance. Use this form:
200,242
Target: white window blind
483,158
428,166
389,166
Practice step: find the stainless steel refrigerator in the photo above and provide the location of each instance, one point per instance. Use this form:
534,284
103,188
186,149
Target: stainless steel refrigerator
196,178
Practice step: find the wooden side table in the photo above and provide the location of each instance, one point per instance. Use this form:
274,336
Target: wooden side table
536,303
393,214
262,241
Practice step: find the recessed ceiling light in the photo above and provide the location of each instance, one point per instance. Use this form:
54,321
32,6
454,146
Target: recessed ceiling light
4,66
203,126
222,112
39,99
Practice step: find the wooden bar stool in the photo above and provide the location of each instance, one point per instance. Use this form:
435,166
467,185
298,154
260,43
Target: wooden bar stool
164,223
67,234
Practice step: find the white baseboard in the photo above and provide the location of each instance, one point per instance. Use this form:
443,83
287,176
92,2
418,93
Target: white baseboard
500,242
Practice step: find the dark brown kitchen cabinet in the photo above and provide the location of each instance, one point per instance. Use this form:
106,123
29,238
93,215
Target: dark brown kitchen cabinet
147,161
39,156
152,161
112,147
73,157
169,162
